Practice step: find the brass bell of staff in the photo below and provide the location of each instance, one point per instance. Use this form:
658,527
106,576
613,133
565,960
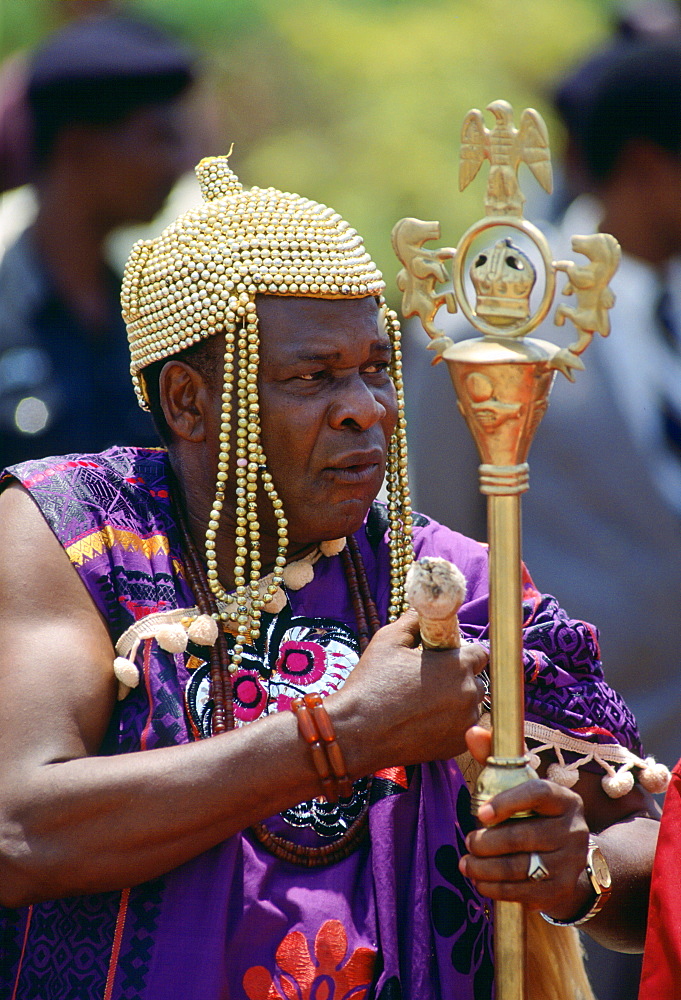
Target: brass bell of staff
502,381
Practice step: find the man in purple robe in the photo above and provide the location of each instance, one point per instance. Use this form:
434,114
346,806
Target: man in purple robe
223,774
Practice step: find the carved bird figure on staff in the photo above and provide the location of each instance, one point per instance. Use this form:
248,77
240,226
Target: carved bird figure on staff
506,147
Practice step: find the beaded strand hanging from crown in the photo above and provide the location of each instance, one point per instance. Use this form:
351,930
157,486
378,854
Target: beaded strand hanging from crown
399,500
201,277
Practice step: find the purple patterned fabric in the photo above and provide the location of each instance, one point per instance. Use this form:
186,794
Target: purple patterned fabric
233,922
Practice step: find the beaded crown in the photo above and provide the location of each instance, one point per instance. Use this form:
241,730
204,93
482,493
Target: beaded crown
194,279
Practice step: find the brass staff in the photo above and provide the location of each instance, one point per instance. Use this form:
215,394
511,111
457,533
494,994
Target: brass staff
502,381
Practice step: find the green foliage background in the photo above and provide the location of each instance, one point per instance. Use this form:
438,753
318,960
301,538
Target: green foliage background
358,103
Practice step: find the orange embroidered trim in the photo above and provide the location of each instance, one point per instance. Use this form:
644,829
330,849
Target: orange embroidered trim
23,952
99,541
300,977
116,947
398,775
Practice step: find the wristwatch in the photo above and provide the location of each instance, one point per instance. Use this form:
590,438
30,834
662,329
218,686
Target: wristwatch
601,881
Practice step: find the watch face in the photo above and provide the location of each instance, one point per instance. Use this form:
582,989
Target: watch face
600,869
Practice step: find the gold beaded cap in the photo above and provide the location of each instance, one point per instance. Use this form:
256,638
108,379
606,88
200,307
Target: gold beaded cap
195,278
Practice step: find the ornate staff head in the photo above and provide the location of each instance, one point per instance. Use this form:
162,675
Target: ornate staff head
503,379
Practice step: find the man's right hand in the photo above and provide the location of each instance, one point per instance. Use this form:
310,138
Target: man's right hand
413,705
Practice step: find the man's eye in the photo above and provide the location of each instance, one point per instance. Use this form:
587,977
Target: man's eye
311,376
378,366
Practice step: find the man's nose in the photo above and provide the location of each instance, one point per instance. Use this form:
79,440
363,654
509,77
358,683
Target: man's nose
357,405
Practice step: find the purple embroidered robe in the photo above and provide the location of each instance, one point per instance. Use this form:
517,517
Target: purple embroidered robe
395,920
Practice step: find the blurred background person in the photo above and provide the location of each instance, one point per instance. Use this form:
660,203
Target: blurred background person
109,136
602,518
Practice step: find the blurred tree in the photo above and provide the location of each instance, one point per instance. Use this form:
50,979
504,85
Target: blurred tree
358,103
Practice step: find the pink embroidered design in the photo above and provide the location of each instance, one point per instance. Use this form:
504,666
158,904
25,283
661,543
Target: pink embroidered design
301,662
250,697
300,977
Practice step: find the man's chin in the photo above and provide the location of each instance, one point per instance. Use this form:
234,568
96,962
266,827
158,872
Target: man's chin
336,520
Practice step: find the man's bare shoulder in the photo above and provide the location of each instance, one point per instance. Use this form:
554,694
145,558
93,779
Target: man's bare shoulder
32,561
56,656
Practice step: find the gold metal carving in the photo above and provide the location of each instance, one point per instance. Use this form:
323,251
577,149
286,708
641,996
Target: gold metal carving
589,283
506,147
422,270
503,380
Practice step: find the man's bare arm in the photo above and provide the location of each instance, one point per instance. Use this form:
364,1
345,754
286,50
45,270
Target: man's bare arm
73,822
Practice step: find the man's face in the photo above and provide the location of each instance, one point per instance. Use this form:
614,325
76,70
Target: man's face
140,159
328,410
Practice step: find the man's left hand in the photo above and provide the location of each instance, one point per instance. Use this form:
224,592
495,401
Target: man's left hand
499,853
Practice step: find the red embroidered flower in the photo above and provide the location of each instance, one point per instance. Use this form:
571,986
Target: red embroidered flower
300,977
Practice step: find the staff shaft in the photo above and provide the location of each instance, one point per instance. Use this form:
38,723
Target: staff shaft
504,531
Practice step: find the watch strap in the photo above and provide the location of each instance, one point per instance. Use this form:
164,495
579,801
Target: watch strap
599,877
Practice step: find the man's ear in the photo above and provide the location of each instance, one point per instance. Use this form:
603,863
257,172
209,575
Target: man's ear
185,400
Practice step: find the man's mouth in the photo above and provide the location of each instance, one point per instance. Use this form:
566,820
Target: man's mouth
357,467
